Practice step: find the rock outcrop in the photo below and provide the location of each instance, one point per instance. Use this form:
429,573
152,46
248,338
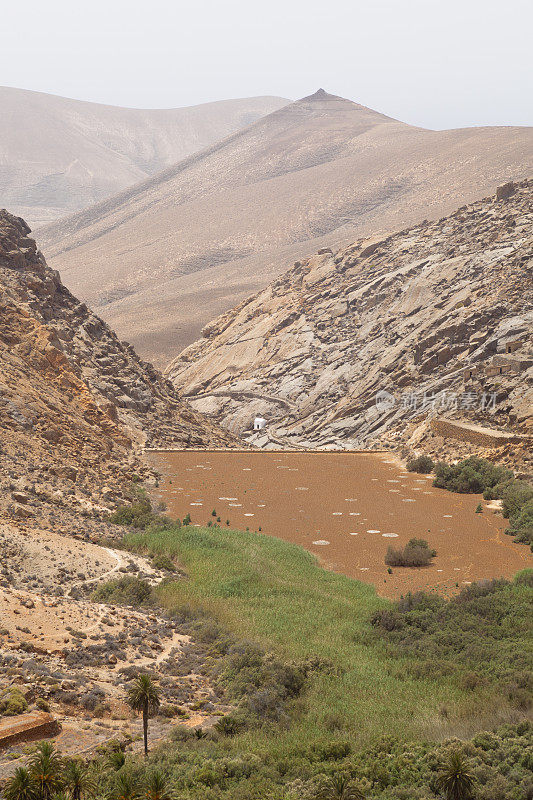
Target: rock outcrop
365,346
76,404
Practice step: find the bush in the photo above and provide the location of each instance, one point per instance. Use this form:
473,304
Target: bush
127,590
515,496
482,635
168,710
137,515
422,464
416,553
42,704
12,702
163,562
472,475
517,506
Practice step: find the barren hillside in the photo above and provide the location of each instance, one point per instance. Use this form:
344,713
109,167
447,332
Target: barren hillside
58,155
163,258
437,318
76,404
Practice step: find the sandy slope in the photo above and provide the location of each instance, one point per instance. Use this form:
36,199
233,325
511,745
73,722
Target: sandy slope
163,258
58,155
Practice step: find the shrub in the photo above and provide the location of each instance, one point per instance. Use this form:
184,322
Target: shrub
12,702
181,733
168,710
229,725
136,515
472,475
515,496
161,561
416,553
481,635
517,503
42,704
127,590
422,464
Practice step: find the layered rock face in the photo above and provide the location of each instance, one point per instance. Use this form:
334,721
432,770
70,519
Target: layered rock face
365,346
76,404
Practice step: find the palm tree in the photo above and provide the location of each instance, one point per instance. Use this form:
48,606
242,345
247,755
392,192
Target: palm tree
144,695
156,787
125,787
45,768
340,787
78,779
456,780
20,786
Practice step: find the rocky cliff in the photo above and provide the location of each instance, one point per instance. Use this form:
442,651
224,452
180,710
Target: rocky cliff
366,346
76,404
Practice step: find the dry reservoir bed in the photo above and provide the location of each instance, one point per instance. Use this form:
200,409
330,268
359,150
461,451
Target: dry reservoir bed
346,508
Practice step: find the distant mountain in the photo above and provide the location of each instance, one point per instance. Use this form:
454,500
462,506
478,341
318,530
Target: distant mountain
164,257
425,317
59,155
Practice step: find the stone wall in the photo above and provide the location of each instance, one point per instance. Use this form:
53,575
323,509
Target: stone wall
27,727
484,437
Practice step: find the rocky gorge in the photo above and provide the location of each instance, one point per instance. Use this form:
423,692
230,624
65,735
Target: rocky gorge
371,345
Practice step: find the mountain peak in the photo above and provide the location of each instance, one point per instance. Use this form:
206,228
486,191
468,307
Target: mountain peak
321,94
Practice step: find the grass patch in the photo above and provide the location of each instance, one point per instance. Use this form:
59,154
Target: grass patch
275,594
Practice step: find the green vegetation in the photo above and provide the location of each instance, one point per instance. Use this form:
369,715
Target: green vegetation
12,702
422,464
335,692
474,475
521,525
277,612
456,779
416,553
470,476
492,765
481,637
128,590
144,696
163,562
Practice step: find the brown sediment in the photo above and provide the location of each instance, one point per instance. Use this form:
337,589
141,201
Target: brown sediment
343,507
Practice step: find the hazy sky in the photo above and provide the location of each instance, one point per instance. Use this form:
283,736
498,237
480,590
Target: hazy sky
438,63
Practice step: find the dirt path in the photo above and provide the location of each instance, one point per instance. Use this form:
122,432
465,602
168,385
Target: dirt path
98,578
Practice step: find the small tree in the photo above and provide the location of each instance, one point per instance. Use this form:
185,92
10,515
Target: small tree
144,696
20,786
78,780
46,770
456,779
